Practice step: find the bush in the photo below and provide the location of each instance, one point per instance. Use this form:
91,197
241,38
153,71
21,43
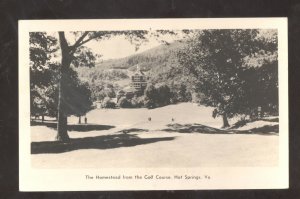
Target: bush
141,101
107,103
148,103
164,94
180,93
157,96
151,96
174,99
137,102
183,94
124,103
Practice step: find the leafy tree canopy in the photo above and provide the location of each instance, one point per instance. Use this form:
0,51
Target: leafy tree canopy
218,61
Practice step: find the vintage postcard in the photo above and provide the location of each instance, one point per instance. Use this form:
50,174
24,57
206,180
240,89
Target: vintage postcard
153,104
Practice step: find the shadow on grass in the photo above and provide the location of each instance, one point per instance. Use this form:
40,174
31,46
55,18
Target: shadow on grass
276,119
132,130
199,128
264,130
239,124
74,127
193,128
99,142
245,122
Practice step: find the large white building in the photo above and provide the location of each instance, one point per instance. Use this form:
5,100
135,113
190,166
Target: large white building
137,85
139,81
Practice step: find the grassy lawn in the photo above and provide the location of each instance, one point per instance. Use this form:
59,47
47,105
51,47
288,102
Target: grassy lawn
125,138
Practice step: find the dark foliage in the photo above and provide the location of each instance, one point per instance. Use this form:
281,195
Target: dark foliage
124,103
108,103
236,70
157,96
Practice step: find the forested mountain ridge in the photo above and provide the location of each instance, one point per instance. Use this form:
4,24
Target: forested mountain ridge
155,62
153,58
146,60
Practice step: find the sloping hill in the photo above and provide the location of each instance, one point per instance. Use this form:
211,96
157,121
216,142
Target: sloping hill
147,60
115,74
156,62
153,59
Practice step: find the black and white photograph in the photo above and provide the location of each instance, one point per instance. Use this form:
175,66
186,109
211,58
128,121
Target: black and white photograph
155,100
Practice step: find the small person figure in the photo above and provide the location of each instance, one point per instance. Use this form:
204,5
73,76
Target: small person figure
149,119
85,120
173,119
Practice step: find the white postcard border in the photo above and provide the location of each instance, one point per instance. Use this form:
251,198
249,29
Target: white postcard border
31,179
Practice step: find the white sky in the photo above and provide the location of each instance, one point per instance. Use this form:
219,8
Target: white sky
119,46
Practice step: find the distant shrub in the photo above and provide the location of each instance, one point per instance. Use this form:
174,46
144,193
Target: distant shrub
174,99
148,103
180,93
141,101
183,94
137,102
107,103
124,103
198,97
157,96
164,94
151,96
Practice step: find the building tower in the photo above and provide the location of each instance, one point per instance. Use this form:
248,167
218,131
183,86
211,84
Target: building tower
139,81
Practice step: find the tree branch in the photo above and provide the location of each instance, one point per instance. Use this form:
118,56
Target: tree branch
78,42
83,42
87,40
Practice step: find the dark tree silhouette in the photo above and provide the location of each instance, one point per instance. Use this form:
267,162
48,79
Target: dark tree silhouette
77,55
42,71
217,61
151,96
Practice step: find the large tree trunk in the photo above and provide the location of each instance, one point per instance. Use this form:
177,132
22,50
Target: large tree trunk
62,133
225,121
